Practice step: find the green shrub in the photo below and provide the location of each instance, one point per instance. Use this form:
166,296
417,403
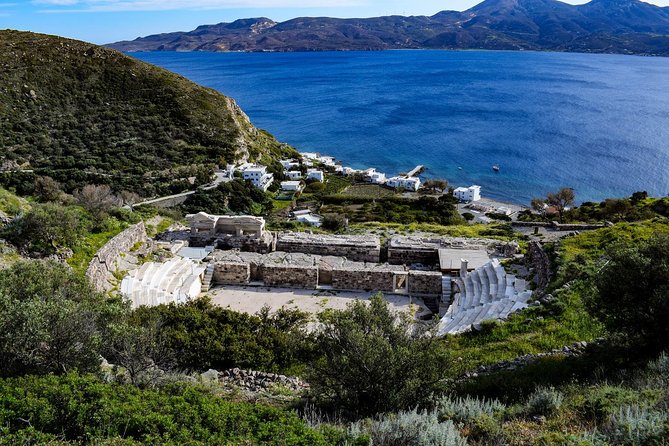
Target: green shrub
545,401
660,367
85,410
409,428
636,426
467,409
603,401
51,320
371,360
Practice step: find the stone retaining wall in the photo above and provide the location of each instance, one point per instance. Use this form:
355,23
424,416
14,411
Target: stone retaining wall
364,280
290,276
408,256
425,283
355,248
560,226
100,269
232,273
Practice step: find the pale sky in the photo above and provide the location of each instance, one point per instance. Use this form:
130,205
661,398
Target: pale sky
105,21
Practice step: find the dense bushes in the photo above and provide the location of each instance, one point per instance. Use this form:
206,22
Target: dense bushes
424,209
200,336
372,361
237,196
47,228
83,409
50,320
632,292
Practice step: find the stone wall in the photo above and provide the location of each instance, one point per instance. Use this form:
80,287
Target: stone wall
290,276
407,250
561,226
102,266
232,273
355,248
263,245
376,280
425,283
408,256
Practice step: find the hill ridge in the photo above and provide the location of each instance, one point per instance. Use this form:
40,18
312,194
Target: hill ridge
609,26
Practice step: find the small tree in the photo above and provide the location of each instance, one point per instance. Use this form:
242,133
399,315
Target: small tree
98,200
560,200
335,222
436,185
372,360
47,189
632,292
46,228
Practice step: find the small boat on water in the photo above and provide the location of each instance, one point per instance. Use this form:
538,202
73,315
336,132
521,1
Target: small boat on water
495,167
459,168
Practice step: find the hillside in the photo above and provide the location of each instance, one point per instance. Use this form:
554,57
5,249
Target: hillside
87,114
611,26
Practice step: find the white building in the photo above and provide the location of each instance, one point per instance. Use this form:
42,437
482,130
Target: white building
471,193
307,217
408,183
293,174
377,177
259,177
311,158
291,186
313,174
290,164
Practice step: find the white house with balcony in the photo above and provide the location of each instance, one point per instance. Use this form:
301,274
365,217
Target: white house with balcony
469,194
408,183
293,174
314,174
259,177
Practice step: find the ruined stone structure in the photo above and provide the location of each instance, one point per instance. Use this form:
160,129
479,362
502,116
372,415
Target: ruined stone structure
290,276
359,248
404,250
100,269
424,283
244,232
297,270
232,273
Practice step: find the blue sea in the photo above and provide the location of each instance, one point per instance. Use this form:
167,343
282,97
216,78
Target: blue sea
596,123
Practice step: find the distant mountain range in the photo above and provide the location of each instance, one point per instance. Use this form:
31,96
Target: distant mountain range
602,26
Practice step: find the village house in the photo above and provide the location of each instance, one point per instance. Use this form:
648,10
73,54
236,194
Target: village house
291,186
313,174
259,177
293,174
408,183
468,194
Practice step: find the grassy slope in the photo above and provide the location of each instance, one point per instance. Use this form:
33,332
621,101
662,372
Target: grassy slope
67,106
554,326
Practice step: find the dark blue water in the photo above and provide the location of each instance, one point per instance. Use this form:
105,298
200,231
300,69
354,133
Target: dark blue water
597,123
